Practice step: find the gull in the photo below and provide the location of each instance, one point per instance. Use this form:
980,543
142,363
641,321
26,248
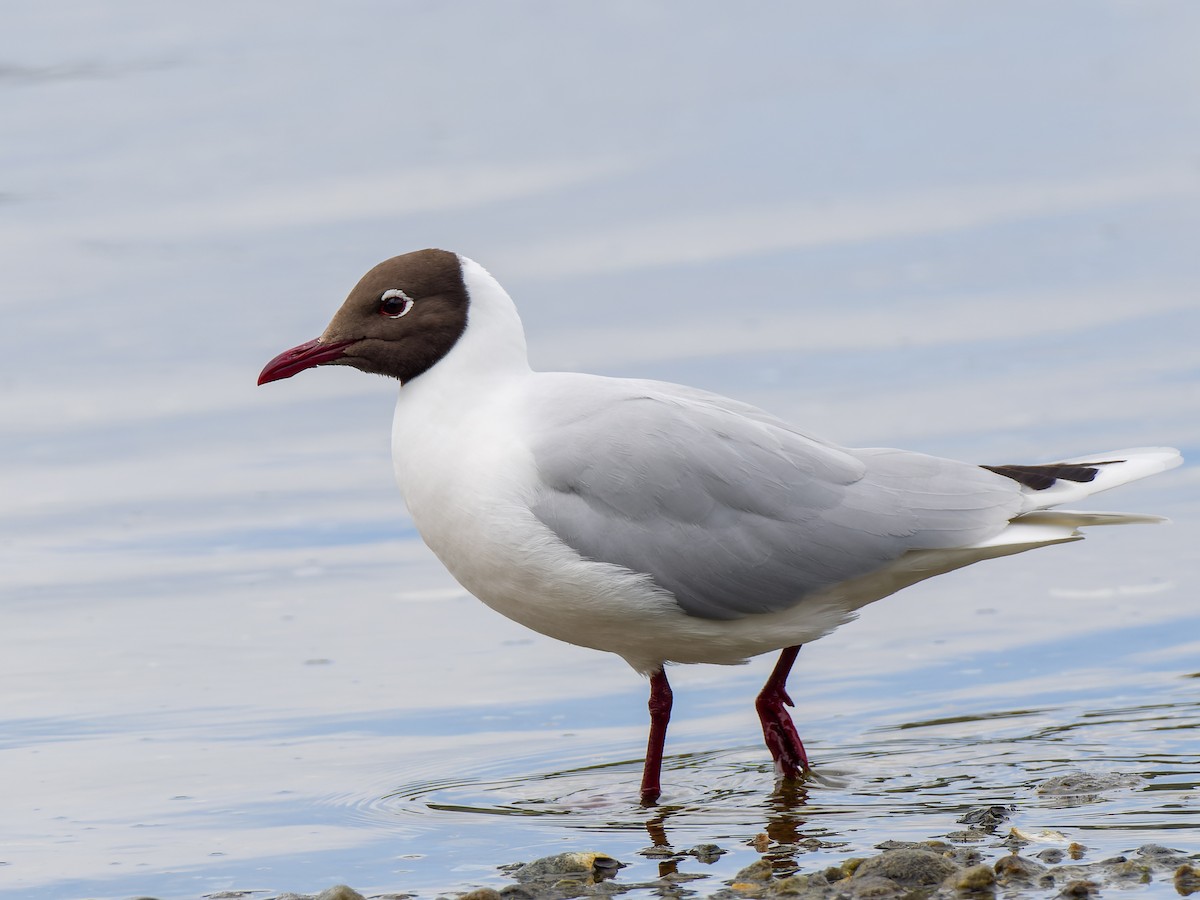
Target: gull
659,522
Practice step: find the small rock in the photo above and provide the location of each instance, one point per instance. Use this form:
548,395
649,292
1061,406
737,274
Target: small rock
835,873
1156,850
1079,889
1187,880
987,817
1085,786
935,846
976,878
680,877
1045,836
340,892
910,868
1053,856
657,852
1018,870
1161,857
966,835
1130,870
874,886
758,872
483,893
707,853
593,866
850,866
798,885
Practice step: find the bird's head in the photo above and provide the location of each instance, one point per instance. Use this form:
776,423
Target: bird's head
402,317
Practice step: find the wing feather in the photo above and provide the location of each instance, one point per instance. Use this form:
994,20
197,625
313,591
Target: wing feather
734,512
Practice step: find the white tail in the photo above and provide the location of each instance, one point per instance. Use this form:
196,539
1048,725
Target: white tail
1047,486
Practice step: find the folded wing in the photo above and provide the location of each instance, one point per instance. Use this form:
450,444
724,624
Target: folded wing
734,512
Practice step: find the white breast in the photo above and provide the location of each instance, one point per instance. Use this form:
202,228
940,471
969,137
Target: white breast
468,480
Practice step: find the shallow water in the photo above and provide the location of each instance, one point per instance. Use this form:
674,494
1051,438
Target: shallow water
228,662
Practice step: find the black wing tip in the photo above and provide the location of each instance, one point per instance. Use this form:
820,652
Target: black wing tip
1039,478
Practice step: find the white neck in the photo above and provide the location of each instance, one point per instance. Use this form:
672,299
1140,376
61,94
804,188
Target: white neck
490,350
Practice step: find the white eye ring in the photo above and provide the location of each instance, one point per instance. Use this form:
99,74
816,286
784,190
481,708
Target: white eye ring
388,306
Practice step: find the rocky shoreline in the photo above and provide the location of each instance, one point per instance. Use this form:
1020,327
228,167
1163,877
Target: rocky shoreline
910,870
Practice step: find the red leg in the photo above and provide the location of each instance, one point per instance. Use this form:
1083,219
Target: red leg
660,715
778,729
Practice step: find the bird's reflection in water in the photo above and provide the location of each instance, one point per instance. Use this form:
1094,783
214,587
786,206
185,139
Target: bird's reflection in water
784,825
656,827
783,836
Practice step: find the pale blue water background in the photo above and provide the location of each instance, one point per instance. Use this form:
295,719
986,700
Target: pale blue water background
228,663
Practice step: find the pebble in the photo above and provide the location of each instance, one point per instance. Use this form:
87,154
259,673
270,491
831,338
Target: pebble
976,878
1187,880
908,868
1080,889
594,867
1085,787
1019,871
707,853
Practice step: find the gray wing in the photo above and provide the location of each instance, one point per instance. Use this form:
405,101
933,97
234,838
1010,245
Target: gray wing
731,510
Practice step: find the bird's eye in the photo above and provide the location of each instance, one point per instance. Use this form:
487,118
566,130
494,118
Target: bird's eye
394,303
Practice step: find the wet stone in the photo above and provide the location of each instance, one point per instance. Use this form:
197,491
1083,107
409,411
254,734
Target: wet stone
1130,870
968,835
1161,858
872,886
682,877
757,872
592,867
482,893
962,856
1187,880
1086,786
935,846
835,873
908,867
1017,870
658,852
976,878
706,853
1079,890
986,817
1156,850
813,885
340,892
